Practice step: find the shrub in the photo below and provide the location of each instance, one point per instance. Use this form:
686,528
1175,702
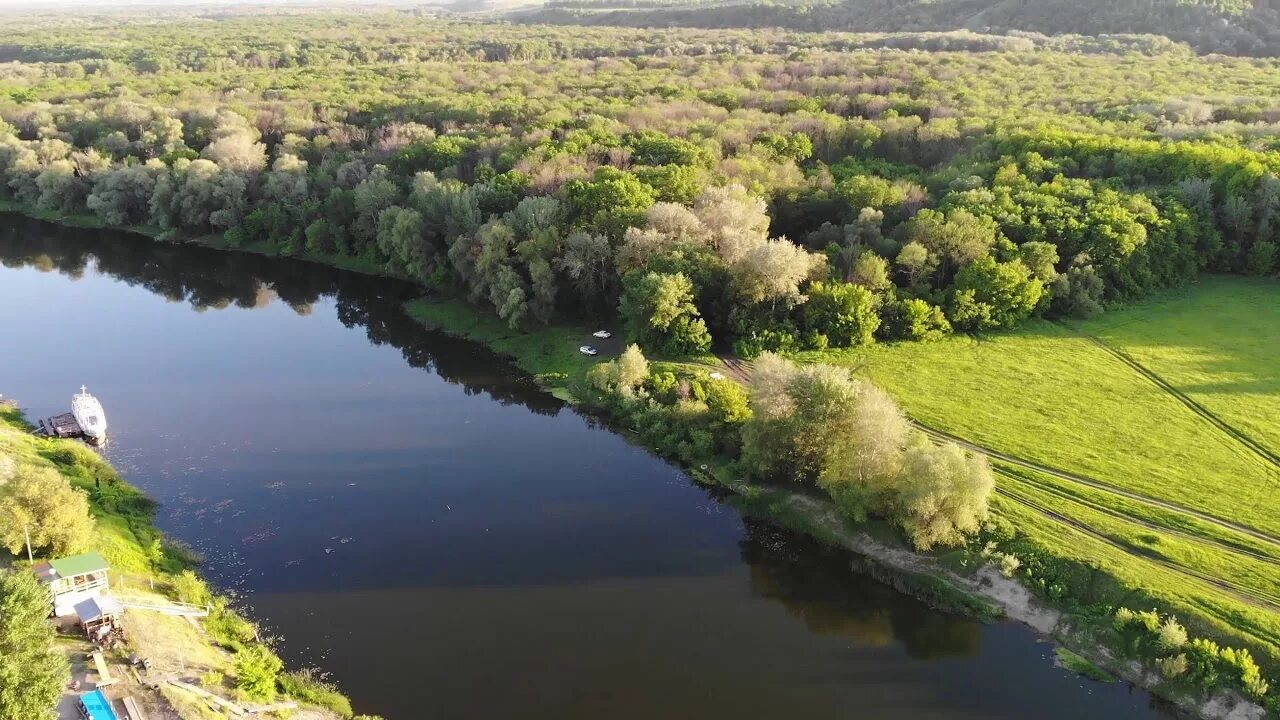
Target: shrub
1171,635
227,628
306,685
257,669
1173,666
1009,565
189,588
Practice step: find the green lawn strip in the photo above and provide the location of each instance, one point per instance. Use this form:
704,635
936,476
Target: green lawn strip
1250,577
549,353
1144,584
1216,341
1171,520
1082,665
1050,396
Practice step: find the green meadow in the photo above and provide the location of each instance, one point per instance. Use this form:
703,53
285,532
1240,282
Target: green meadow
1217,341
1159,417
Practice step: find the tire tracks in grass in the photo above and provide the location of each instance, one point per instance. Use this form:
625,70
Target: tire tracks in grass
1135,520
1262,451
1097,484
1248,596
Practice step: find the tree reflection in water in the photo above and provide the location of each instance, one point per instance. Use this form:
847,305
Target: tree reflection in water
817,585
215,280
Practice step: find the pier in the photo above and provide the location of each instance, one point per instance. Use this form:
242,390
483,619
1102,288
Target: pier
61,426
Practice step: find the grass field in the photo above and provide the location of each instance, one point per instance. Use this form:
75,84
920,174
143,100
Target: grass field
1218,342
1146,440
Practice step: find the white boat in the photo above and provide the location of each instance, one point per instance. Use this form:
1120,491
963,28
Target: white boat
88,414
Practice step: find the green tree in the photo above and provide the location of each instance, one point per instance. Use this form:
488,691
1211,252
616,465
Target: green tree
729,408
916,319
33,673
41,501
870,271
943,494
990,294
844,312
956,239
800,414
659,312
863,468
1077,293
609,192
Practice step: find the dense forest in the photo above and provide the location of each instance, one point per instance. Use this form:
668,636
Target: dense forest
1238,27
769,191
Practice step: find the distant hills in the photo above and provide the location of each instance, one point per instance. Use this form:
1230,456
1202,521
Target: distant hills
1236,27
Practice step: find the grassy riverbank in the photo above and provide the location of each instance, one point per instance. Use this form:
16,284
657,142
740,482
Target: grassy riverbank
1128,510
146,566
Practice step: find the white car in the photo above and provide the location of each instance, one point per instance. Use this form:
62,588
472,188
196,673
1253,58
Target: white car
602,334
716,376
588,350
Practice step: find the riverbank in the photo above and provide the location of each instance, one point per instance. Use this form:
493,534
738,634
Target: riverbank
545,352
147,568
973,580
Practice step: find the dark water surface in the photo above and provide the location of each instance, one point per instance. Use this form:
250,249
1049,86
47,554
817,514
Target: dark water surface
410,513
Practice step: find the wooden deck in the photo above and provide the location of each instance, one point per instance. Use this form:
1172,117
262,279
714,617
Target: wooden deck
62,426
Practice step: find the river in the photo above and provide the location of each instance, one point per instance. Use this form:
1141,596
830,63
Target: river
411,514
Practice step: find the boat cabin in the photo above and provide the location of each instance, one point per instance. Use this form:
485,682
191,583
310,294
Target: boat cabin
72,580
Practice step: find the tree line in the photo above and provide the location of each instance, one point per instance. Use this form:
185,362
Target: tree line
1240,27
764,204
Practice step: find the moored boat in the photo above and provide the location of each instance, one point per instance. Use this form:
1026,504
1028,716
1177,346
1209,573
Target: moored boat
89,415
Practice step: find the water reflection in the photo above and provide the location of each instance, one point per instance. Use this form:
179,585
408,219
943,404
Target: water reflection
215,280
815,584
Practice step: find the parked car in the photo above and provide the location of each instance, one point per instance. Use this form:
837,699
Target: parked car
602,334
588,350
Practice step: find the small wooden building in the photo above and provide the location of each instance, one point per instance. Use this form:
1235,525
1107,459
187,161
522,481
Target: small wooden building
99,616
72,580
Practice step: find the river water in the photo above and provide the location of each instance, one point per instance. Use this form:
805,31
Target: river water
412,515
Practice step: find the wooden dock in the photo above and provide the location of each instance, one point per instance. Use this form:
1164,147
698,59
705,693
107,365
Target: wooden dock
61,426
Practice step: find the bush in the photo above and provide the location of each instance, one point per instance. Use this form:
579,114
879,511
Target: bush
257,669
1171,635
1172,667
189,588
306,685
227,628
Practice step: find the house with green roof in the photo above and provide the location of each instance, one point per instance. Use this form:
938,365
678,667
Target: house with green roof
73,579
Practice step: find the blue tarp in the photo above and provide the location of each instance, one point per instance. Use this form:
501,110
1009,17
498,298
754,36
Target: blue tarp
98,706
